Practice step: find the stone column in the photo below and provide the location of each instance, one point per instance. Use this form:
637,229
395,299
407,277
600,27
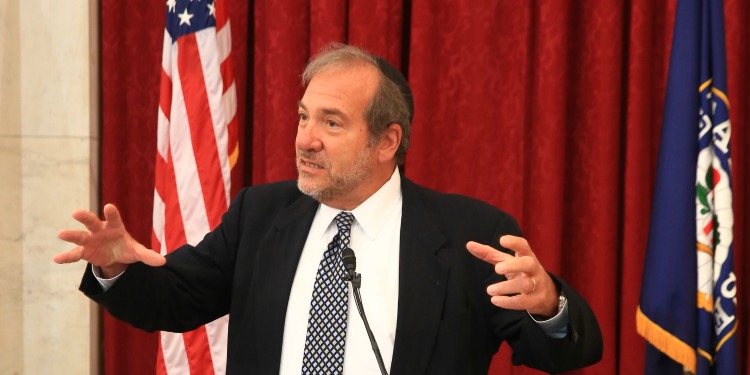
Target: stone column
49,142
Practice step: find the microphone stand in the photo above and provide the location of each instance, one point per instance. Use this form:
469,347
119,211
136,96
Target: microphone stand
356,282
350,265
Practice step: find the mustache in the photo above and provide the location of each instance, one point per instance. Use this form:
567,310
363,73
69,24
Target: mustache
312,157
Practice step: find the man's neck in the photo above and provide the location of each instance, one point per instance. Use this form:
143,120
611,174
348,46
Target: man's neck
356,198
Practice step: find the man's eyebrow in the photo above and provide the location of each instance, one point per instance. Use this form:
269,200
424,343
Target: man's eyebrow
326,111
334,112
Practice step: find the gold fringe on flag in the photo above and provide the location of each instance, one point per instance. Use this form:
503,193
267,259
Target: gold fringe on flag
234,155
666,342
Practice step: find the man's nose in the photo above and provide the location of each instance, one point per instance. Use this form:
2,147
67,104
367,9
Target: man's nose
308,138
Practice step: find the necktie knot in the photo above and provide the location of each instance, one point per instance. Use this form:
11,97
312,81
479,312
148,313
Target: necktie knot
344,221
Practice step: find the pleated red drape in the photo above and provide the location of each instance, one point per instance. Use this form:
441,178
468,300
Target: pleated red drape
548,109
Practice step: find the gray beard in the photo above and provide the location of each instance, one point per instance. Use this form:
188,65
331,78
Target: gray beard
341,184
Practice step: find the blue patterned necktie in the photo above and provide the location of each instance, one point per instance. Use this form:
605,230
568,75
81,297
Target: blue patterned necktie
326,326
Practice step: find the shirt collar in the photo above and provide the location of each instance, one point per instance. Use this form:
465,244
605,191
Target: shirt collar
371,214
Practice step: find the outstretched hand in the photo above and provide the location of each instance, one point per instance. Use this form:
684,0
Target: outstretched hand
528,286
106,243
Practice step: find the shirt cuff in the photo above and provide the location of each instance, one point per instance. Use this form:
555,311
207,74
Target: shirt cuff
105,283
556,326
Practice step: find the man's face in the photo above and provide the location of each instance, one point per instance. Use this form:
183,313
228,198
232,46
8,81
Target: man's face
334,160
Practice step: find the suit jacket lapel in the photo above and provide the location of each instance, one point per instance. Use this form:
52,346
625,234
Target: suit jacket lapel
422,283
278,258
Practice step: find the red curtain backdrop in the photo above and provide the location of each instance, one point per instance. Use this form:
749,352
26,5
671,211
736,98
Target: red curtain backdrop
550,110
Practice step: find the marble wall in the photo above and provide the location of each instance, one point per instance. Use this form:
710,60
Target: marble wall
49,121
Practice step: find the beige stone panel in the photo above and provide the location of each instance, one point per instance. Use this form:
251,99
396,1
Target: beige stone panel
11,275
57,179
10,68
57,60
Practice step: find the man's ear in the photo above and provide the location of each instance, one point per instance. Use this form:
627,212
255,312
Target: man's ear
389,143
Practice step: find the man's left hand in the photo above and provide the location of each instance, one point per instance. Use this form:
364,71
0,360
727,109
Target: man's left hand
528,286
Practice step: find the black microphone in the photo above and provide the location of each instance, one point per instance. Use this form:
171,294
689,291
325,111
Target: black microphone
350,263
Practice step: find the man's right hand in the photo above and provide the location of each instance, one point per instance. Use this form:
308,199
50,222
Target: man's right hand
105,244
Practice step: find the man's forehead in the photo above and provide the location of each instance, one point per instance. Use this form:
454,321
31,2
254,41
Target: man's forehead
354,72
343,86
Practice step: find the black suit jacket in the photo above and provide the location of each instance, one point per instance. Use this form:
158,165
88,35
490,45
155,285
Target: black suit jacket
446,324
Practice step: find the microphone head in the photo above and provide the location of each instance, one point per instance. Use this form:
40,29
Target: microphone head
350,261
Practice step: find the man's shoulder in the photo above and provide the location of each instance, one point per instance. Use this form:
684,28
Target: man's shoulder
451,207
456,213
449,201
270,196
276,189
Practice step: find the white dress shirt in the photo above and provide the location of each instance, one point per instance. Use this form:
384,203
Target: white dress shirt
375,239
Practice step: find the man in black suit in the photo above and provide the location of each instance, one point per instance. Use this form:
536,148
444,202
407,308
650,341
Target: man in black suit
425,294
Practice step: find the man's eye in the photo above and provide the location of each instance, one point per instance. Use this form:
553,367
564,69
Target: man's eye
332,124
302,117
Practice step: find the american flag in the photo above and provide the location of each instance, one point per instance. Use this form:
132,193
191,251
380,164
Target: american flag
197,147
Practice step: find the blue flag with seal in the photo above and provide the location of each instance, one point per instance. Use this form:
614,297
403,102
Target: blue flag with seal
688,305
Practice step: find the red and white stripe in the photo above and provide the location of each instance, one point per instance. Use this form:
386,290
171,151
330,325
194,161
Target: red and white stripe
197,146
